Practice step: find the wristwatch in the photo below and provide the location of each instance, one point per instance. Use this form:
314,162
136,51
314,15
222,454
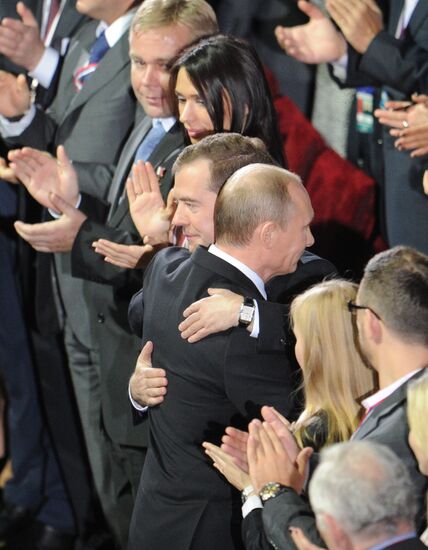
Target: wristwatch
246,313
272,490
247,492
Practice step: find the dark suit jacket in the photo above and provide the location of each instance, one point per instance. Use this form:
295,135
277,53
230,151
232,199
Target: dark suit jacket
405,72
219,381
108,289
410,544
92,125
386,425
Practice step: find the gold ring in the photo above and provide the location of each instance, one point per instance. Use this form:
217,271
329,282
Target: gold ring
405,124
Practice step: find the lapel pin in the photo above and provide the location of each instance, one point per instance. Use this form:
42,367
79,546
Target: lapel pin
160,172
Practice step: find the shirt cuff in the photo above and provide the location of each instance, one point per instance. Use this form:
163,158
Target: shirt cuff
13,129
252,503
46,67
340,67
134,403
57,215
256,321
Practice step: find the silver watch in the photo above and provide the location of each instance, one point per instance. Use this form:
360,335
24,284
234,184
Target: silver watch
246,313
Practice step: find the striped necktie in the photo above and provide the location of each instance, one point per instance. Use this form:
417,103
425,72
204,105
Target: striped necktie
96,53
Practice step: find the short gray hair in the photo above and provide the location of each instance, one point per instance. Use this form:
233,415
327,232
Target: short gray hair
365,487
252,195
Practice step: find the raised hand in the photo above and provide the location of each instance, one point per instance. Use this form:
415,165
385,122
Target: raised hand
20,38
268,460
301,541
413,138
317,41
42,174
150,215
209,315
128,256
282,428
56,235
148,385
6,172
409,123
226,464
15,95
234,443
360,21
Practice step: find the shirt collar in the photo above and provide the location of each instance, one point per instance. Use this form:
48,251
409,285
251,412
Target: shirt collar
393,540
117,29
252,275
167,122
382,394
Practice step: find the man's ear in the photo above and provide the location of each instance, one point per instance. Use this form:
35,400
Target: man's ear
333,534
374,326
267,234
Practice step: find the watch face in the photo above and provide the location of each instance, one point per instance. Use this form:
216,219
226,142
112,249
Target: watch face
269,490
247,314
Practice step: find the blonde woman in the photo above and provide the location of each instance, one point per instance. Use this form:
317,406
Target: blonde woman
335,377
417,414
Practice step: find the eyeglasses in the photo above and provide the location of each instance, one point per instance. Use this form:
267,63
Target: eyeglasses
353,307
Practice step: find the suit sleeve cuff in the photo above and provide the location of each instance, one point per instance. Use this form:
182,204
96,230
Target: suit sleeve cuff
142,410
252,503
46,67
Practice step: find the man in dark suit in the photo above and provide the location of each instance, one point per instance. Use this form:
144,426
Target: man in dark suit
392,317
148,385
34,38
93,124
217,380
372,33
381,516
158,34
46,484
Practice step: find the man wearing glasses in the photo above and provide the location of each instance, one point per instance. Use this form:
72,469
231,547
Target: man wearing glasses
391,313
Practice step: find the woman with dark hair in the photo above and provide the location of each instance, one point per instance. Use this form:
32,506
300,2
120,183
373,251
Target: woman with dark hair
217,84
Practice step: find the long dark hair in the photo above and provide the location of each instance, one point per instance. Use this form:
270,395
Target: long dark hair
222,65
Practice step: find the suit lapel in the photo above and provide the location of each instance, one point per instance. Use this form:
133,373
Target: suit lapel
68,21
205,259
396,399
395,9
126,159
112,63
169,146
419,15
384,409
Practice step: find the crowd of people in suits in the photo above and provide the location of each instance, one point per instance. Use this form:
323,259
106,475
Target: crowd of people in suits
168,342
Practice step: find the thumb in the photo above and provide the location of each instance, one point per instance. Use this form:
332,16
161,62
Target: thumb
220,291
21,83
170,205
302,459
26,15
60,205
62,157
311,10
146,354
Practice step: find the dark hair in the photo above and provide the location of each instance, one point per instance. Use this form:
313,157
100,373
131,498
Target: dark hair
227,153
395,286
222,65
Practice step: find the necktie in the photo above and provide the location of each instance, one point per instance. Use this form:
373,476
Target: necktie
148,145
144,151
53,11
96,53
